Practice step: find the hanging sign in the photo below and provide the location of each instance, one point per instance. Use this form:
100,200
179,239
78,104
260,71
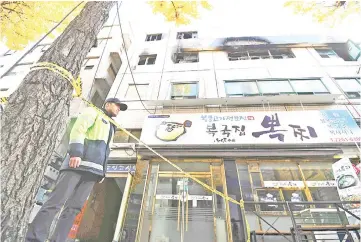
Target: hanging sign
348,186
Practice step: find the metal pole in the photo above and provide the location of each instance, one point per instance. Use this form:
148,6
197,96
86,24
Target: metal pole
122,208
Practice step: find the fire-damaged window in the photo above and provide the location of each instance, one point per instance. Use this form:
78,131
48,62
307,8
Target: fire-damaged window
351,87
186,57
153,37
187,35
327,53
147,59
339,51
184,90
284,53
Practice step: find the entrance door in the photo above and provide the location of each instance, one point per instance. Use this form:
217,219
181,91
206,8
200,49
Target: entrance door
179,209
182,209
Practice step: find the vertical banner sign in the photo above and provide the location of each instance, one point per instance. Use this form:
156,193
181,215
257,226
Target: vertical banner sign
348,186
74,229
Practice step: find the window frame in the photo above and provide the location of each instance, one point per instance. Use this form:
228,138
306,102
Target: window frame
173,97
183,54
194,34
260,93
153,37
347,93
333,56
250,54
147,57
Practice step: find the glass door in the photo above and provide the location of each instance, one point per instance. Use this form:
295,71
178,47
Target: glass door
178,209
182,208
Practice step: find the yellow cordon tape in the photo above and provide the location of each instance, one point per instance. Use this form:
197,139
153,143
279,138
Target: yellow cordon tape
76,83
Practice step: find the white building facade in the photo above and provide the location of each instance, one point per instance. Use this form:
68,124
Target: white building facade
252,117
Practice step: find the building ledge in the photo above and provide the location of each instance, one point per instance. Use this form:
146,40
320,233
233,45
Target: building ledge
251,100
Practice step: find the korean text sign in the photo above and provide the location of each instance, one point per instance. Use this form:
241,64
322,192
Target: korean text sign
298,127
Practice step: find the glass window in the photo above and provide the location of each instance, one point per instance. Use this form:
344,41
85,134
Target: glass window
187,35
244,88
133,94
280,171
327,53
153,37
275,87
184,91
270,195
317,171
351,87
245,185
295,196
309,86
186,57
147,59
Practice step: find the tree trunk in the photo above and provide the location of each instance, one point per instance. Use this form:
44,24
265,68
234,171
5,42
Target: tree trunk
35,118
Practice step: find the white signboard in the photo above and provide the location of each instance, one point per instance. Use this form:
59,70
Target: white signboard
176,197
321,183
283,184
299,127
348,185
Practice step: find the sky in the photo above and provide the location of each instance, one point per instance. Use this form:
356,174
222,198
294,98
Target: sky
241,17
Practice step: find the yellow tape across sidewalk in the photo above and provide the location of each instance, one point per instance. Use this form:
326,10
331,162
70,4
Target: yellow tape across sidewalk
76,83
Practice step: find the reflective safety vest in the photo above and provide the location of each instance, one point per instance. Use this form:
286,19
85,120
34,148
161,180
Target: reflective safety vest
90,139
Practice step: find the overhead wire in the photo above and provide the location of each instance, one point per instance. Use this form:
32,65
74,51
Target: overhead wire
128,62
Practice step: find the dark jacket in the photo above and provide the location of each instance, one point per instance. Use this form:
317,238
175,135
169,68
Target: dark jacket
90,139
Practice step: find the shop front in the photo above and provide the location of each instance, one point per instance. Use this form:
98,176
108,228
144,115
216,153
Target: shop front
264,159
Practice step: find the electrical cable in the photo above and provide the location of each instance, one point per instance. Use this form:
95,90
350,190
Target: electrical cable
130,69
39,41
100,60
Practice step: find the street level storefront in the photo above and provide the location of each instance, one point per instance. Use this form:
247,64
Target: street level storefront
231,153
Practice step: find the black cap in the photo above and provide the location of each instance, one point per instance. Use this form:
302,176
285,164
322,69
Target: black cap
115,100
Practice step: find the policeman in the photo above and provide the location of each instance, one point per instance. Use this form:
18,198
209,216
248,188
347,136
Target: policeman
84,165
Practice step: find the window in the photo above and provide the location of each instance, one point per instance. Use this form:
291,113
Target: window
184,91
327,53
283,53
351,87
153,37
186,57
241,88
187,35
147,60
309,87
88,67
274,87
270,88
121,137
132,91
280,172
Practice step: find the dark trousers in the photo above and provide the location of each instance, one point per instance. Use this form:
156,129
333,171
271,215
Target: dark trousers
71,191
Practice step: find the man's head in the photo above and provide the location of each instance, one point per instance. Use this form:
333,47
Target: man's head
113,106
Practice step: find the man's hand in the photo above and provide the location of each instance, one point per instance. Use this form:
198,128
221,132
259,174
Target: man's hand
74,162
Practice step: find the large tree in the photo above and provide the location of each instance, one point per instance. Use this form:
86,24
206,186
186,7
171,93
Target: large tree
35,117
327,12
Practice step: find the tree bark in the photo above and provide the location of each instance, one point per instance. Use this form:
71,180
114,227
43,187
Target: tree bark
35,117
